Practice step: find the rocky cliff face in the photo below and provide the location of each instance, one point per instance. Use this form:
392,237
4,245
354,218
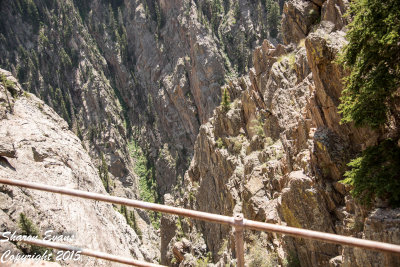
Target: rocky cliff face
122,70
36,145
278,153
145,72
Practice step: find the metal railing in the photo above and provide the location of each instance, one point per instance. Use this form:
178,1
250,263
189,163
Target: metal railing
237,222
90,253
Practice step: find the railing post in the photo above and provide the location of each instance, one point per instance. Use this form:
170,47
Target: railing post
239,243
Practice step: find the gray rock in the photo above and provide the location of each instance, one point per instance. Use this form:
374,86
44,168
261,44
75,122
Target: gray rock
48,153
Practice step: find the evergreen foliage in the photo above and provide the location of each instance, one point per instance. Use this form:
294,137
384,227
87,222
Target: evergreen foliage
29,229
147,183
8,86
216,11
103,172
226,100
29,11
376,174
131,220
373,57
274,18
27,226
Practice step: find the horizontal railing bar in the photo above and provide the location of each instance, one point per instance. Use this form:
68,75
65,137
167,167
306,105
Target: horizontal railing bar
122,201
327,237
90,253
260,226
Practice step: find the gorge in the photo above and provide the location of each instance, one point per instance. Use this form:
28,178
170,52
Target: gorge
126,98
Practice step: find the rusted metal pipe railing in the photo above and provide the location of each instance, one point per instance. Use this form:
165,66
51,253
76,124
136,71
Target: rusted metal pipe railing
90,253
221,219
237,223
321,236
239,242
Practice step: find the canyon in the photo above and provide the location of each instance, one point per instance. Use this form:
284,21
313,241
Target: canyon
124,98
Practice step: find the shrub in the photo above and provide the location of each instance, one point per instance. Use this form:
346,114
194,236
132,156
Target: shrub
8,84
292,260
220,143
258,127
376,174
291,58
205,260
28,228
260,257
237,145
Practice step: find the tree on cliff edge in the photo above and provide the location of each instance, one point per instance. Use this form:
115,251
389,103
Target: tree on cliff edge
373,58
226,100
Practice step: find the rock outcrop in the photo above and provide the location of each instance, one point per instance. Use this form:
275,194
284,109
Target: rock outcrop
121,70
150,73
37,146
278,153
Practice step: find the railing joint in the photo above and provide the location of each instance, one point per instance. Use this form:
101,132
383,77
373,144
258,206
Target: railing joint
239,242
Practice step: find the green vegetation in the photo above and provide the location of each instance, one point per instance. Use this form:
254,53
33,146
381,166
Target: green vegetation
29,11
373,58
226,100
220,144
205,260
259,256
290,57
61,104
376,174
241,52
179,229
28,228
224,247
269,141
302,43
7,84
216,10
274,18
147,182
292,260
103,173
237,144
131,220
258,127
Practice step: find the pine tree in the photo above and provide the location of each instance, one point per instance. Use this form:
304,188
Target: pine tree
28,228
274,18
226,100
103,170
373,57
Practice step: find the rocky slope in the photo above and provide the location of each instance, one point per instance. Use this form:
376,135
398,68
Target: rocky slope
149,73
122,70
36,145
128,72
278,153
